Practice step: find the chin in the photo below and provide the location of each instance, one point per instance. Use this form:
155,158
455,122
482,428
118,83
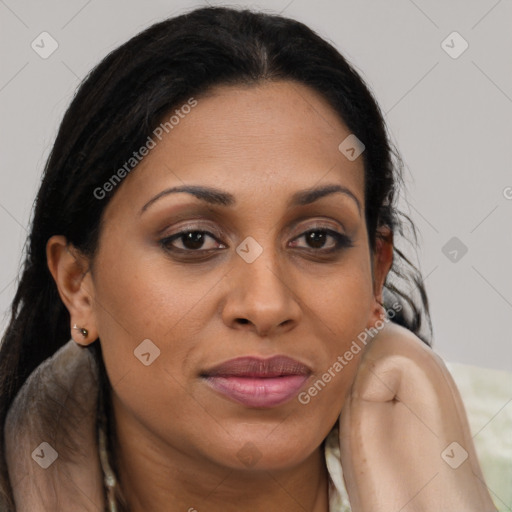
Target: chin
254,453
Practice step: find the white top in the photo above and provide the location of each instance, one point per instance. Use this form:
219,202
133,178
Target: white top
338,497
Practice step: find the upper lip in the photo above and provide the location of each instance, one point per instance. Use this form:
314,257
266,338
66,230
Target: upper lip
275,366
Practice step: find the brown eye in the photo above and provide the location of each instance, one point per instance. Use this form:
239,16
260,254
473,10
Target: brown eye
192,240
317,239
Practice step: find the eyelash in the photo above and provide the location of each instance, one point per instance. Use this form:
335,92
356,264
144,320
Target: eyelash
342,241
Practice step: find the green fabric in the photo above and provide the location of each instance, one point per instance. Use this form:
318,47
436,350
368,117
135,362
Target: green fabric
487,396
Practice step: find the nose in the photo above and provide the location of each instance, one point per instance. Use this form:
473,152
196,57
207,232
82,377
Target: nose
260,296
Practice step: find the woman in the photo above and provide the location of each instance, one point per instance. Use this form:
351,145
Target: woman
214,231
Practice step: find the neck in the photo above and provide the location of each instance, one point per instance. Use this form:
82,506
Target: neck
158,477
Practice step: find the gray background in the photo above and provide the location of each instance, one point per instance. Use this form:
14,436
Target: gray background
451,119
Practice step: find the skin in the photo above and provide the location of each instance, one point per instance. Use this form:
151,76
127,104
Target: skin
404,401
179,440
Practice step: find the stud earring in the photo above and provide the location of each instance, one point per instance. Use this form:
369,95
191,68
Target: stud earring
83,331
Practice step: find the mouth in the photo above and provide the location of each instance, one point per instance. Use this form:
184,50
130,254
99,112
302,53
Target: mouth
256,382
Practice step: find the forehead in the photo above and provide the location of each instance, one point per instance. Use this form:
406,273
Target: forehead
275,136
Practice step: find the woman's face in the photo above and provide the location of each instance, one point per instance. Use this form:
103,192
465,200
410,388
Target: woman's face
255,284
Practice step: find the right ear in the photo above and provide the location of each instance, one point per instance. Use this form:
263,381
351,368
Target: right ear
70,270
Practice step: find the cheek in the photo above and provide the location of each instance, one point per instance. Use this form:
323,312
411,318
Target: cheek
148,312
343,299
140,297
146,336
343,309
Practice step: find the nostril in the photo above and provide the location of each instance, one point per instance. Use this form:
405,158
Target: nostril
243,320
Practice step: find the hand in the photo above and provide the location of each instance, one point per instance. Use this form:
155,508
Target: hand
399,420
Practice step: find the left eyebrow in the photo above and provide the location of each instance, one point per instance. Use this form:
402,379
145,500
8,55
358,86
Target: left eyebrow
310,195
218,197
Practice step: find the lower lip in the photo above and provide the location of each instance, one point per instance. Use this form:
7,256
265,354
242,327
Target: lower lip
258,392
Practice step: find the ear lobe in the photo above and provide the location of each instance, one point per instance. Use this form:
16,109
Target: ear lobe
70,271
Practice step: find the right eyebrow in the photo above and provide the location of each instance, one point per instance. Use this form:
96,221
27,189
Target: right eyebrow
208,194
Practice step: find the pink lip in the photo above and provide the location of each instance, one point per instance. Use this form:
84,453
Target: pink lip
256,382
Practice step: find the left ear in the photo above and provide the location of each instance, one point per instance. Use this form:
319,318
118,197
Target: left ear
382,260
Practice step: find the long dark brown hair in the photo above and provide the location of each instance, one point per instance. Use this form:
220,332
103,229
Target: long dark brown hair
121,102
